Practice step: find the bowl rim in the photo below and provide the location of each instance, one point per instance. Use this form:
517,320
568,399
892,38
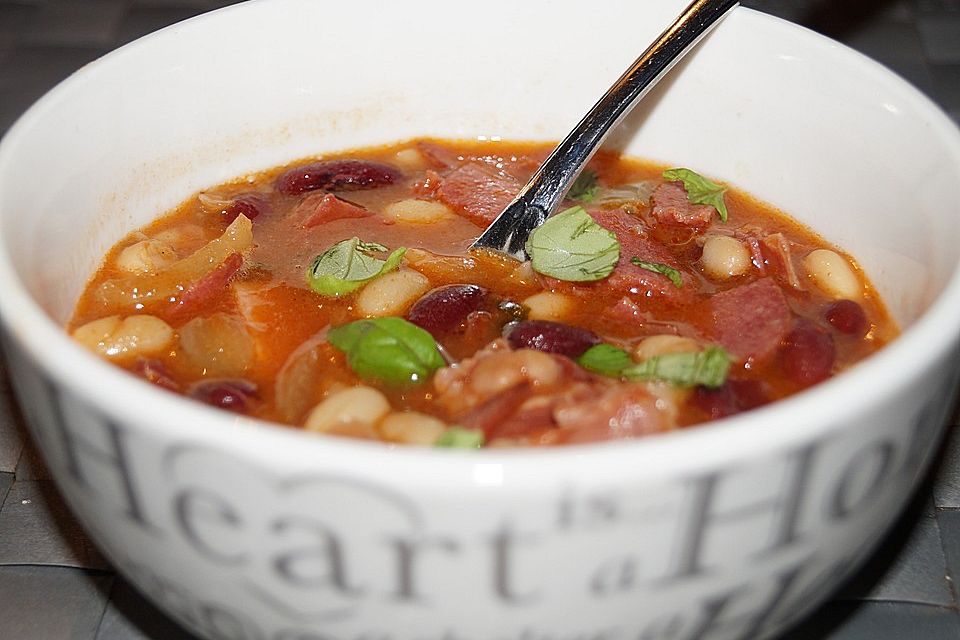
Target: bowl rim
799,418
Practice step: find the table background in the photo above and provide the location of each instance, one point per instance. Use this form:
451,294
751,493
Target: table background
53,582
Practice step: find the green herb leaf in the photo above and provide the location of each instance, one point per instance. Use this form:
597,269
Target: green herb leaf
675,277
346,266
605,359
700,190
389,350
572,246
585,187
708,368
460,438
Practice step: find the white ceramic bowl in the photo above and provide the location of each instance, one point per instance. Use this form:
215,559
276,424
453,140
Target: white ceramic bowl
243,530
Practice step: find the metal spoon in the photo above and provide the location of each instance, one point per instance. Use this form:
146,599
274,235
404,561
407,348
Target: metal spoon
540,196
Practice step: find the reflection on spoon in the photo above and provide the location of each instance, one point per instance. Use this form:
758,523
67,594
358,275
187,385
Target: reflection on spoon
540,197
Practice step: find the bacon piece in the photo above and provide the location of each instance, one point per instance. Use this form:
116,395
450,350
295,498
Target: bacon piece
618,412
427,187
477,191
515,394
751,320
439,156
209,285
779,256
669,205
320,208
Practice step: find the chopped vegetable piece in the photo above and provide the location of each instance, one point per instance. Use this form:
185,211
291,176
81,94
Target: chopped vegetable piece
168,286
585,187
708,368
572,246
389,350
700,190
346,266
605,359
659,267
460,438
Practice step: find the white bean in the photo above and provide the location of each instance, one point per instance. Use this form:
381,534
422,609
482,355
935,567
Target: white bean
725,257
411,427
146,256
663,344
125,339
409,159
391,294
499,372
354,411
548,306
417,211
832,274
186,237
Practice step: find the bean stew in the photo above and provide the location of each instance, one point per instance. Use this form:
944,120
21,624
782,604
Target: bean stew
339,295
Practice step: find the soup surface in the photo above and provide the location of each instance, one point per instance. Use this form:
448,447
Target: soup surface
339,295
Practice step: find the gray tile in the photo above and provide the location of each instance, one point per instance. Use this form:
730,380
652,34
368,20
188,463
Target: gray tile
67,22
916,73
53,603
900,11
31,465
786,9
16,16
940,36
946,489
937,6
887,42
946,85
12,436
142,20
32,68
910,566
949,520
6,481
878,621
203,5
37,528
129,616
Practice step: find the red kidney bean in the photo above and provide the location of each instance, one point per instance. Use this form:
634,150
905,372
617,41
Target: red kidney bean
249,204
807,354
551,337
716,403
731,398
846,316
337,175
155,372
445,309
232,395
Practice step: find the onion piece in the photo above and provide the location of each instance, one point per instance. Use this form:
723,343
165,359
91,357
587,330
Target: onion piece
168,285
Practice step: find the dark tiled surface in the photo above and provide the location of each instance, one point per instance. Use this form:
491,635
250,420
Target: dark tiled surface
53,584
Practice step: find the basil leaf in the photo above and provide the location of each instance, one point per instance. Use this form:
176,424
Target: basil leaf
585,187
345,267
460,438
700,190
389,350
572,246
708,368
658,267
605,359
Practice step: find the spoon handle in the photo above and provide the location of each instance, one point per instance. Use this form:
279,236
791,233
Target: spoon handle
540,196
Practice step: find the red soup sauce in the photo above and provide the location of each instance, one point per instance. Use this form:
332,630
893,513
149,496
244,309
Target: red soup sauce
339,295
